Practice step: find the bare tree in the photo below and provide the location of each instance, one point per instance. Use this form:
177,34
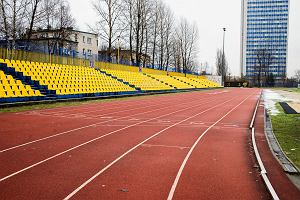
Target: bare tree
148,27
165,31
4,21
297,75
221,65
187,36
109,25
263,62
176,55
55,15
13,17
50,15
169,20
32,14
204,68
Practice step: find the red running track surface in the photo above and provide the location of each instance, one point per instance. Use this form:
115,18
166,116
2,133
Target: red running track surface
184,146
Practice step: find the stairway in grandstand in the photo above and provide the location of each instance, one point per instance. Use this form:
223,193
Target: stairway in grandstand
15,90
138,80
119,79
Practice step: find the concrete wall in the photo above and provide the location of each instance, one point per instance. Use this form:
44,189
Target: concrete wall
216,79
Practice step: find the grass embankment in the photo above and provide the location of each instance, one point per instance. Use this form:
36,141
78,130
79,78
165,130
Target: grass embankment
287,130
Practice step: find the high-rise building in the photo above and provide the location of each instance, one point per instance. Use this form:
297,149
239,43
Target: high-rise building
264,38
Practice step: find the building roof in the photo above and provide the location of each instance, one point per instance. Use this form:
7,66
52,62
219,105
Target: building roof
57,30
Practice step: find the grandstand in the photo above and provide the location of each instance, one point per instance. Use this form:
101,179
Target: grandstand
171,81
24,81
12,88
139,80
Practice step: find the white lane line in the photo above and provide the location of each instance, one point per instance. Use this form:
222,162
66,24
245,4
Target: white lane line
125,105
214,93
133,148
76,129
81,107
90,141
165,146
88,126
71,116
232,125
173,188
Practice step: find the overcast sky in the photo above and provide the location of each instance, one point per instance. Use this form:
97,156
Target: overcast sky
211,16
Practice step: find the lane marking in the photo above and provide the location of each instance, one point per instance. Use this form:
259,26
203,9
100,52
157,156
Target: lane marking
90,141
134,104
174,185
214,93
232,125
263,170
132,149
71,115
87,126
166,146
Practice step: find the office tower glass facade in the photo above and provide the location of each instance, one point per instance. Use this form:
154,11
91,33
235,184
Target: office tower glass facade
264,38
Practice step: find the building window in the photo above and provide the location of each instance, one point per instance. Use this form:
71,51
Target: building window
89,40
76,37
83,39
83,51
89,52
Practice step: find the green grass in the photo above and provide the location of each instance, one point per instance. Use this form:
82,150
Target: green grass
287,130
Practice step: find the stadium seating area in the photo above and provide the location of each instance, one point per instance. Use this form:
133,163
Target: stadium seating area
139,80
68,80
171,81
11,88
205,82
19,79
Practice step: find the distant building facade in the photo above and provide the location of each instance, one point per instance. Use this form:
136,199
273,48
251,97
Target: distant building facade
123,56
87,42
264,26
65,42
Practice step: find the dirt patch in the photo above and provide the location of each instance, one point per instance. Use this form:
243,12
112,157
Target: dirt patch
295,106
291,96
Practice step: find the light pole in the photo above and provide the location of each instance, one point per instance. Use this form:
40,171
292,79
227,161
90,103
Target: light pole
223,57
118,49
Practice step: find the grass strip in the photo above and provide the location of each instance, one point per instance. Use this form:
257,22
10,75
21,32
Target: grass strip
286,128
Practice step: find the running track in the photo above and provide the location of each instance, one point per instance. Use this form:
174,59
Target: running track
183,146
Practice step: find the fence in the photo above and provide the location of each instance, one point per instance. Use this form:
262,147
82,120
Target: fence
13,54
80,60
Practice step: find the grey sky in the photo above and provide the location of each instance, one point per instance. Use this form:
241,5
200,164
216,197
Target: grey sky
211,16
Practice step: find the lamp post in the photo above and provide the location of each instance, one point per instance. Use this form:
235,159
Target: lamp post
118,49
223,57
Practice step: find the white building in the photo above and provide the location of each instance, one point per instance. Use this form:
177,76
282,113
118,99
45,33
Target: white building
87,43
66,42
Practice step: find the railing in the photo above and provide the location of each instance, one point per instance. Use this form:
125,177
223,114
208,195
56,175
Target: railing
12,54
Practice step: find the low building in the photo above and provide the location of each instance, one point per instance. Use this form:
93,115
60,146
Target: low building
66,41
123,56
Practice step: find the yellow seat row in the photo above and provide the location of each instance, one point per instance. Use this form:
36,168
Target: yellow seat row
139,80
171,81
68,79
10,87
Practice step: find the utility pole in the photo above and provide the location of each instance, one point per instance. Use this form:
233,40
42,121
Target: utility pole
223,58
119,50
